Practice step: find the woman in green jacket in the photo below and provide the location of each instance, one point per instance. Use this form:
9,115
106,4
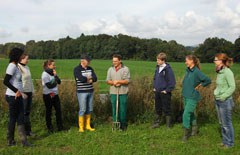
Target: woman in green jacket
225,86
192,81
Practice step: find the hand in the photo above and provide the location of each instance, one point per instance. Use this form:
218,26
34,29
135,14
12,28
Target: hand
164,92
18,94
54,72
90,81
154,89
24,96
115,82
196,88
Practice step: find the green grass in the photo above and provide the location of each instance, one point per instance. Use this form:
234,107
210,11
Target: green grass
137,69
138,139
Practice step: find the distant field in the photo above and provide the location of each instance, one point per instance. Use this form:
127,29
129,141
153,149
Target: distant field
137,68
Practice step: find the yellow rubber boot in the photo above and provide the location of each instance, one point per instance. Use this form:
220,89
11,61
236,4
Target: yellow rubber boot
88,120
81,123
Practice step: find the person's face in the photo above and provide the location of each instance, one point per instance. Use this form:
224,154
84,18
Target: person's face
116,62
52,65
84,62
189,63
160,62
25,60
217,61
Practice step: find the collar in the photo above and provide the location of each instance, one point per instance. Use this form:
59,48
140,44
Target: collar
49,71
82,66
22,64
163,65
191,70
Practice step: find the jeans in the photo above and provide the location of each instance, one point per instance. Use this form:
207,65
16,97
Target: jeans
27,109
15,114
224,112
189,117
85,101
49,103
163,103
122,109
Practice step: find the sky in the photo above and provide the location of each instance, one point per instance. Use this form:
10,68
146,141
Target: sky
189,22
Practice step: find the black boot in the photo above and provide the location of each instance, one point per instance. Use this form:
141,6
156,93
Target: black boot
156,123
23,136
195,130
169,121
10,137
186,135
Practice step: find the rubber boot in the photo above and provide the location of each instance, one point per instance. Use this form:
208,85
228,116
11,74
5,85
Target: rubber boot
10,137
88,123
23,136
186,135
81,123
195,130
156,123
169,121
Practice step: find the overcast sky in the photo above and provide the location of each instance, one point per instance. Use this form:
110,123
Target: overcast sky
189,22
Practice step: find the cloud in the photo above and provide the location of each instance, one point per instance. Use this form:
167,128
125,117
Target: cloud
4,33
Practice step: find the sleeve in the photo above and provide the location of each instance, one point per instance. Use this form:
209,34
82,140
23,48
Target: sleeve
46,81
78,75
171,82
57,79
7,83
94,76
109,75
231,86
126,74
205,81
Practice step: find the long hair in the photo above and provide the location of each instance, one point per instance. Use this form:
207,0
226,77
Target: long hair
225,59
15,55
46,63
195,60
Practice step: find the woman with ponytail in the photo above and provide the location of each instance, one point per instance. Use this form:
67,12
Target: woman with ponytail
225,87
192,81
50,82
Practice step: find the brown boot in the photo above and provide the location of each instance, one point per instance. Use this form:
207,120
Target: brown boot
186,135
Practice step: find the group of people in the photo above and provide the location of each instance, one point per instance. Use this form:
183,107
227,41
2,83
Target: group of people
20,90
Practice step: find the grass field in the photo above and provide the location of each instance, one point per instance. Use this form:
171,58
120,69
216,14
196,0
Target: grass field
137,69
138,139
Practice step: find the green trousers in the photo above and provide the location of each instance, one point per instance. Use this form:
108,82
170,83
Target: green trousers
189,114
122,108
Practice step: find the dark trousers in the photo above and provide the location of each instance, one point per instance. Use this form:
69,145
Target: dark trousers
49,103
15,114
27,109
163,103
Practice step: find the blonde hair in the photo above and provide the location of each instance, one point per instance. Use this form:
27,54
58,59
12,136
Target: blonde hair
195,60
162,56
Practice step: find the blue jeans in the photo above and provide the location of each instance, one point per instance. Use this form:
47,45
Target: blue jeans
224,111
85,101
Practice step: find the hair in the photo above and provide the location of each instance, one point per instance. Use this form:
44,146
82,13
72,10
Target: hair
46,63
195,60
162,56
225,59
15,55
117,56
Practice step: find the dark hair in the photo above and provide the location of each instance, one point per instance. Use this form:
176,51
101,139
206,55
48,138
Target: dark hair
225,59
46,63
15,55
195,60
117,56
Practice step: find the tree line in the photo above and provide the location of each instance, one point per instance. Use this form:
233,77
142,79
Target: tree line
103,46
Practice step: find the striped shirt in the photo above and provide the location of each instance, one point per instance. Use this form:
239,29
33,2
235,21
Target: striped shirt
81,76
